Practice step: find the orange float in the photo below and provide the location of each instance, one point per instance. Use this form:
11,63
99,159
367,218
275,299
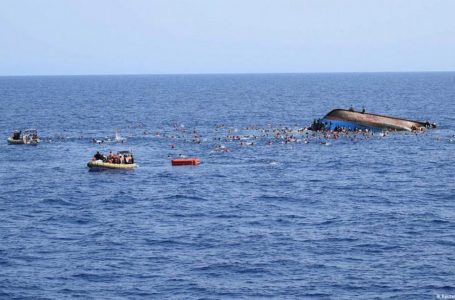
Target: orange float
186,161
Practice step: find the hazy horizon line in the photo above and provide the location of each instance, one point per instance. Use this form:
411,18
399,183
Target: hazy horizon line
224,73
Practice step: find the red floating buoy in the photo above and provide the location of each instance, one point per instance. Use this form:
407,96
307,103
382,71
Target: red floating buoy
186,161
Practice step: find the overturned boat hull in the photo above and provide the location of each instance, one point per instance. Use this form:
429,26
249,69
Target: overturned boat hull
352,120
98,164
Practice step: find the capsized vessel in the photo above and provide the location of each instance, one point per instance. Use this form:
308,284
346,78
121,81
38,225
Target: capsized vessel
355,120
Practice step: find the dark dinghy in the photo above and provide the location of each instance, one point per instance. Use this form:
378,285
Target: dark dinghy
353,120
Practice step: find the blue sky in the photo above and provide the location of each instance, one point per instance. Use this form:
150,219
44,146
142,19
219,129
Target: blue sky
51,37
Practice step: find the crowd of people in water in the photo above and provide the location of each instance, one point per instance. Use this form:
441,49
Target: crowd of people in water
124,157
221,138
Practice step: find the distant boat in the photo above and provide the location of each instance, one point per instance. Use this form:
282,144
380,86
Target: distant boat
354,120
28,137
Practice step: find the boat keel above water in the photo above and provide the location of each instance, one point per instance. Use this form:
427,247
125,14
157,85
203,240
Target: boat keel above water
349,119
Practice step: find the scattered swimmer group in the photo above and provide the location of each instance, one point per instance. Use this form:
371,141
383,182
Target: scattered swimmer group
224,139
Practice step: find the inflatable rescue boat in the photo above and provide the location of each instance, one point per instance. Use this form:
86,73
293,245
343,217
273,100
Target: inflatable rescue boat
99,164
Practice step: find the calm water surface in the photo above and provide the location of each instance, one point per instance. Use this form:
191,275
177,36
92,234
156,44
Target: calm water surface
363,218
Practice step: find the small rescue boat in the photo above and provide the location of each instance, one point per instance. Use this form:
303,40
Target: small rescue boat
93,164
186,161
123,160
28,137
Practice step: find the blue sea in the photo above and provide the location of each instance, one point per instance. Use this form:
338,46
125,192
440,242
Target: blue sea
359,217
